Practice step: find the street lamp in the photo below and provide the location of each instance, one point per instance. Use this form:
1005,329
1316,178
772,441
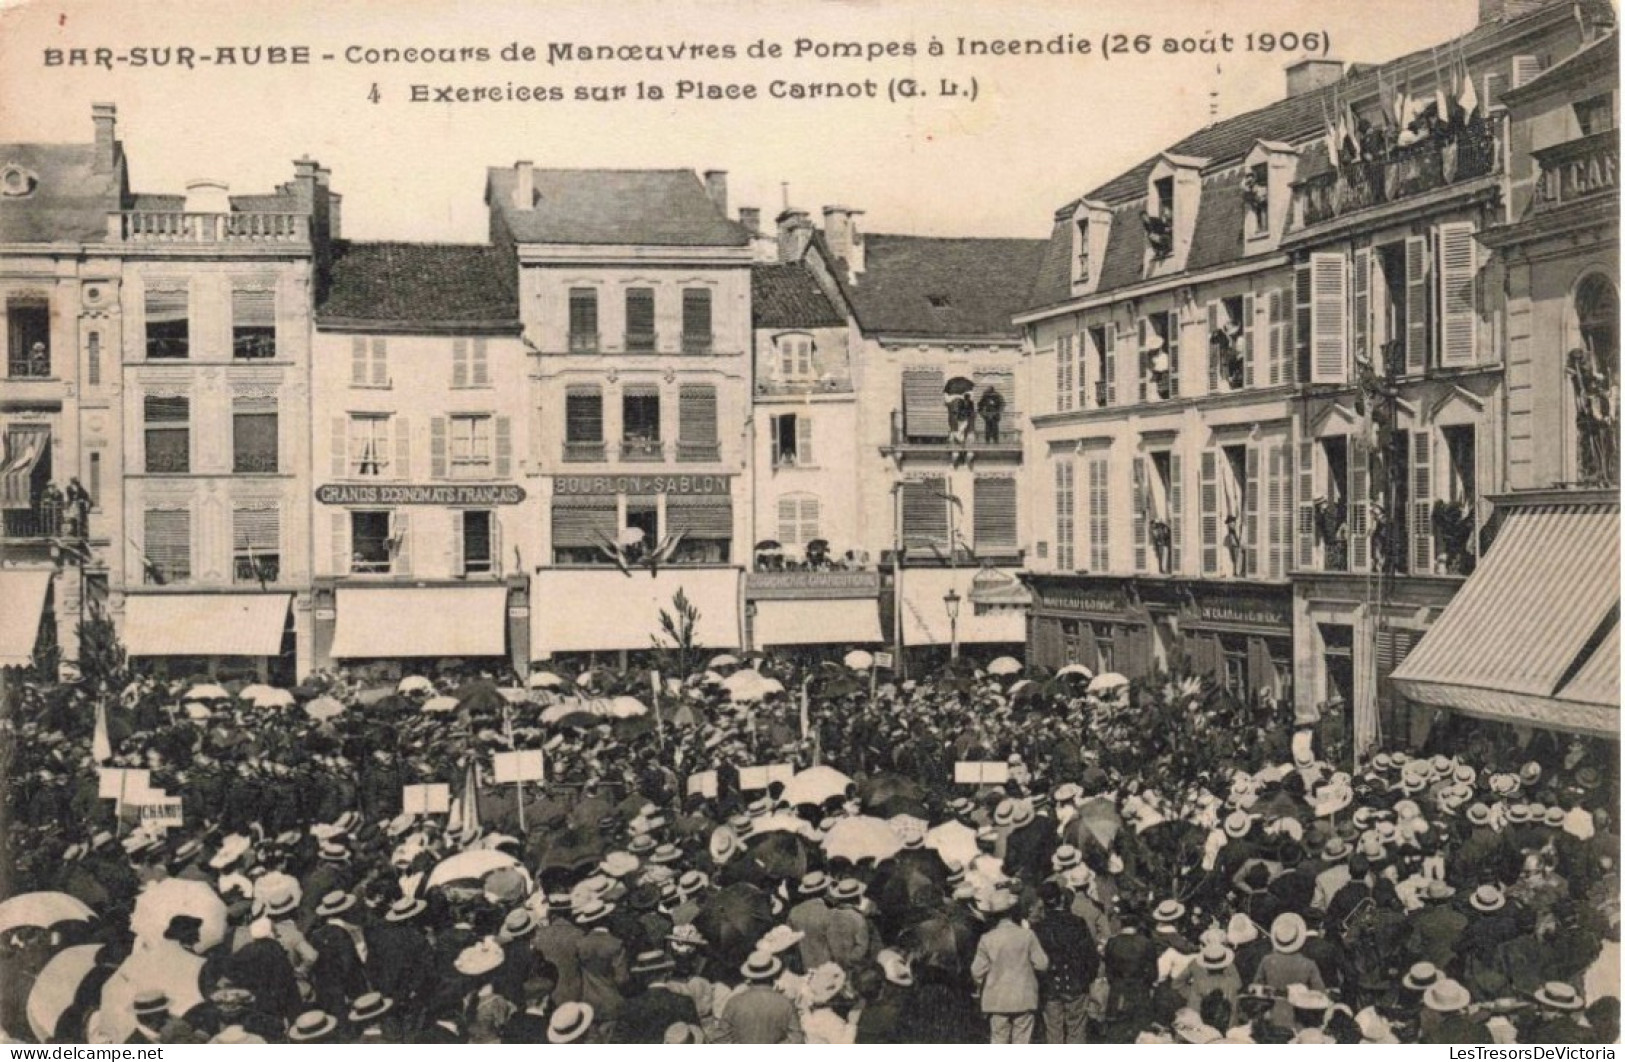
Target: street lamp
950,600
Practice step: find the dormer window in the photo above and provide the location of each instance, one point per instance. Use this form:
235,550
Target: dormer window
1255,193
1266,181
1083,251
1159,218
1090,226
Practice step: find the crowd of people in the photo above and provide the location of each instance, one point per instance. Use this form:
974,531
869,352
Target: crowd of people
1156,862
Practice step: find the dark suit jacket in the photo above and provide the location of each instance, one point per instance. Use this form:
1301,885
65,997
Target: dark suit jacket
646,1016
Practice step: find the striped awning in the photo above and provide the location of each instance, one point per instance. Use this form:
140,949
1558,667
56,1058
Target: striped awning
1529,623
853,621
205,624
409,621
24,591
1597,681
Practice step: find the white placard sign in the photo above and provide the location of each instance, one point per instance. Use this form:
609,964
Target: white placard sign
430,799
526,765
704,783
977,772
883,660
122,783
765,775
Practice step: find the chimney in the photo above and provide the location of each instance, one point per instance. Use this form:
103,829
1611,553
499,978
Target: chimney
841,230
751,219
1506,10
334,203
716,186
304,183
205,196
524,185
1307,75
795,232
104,117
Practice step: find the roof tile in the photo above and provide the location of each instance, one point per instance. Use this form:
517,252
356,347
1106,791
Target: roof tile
788,296
929,286
420,283
665,208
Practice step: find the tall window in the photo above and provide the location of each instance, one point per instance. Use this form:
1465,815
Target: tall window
253,323
697,423
798,519
168,429
696,320
925,513
1099,514
28,338
478,531
1230,343
1593,371
583,320
1065,516
377,539
93,359
795,356
368,447
1084,269
1159,356
583,424
792,440
1102,339
167,546
1595,115
470,363
993,517
256,545
640,320
369,362
253,433
640,424
1065,371
168,322
471,447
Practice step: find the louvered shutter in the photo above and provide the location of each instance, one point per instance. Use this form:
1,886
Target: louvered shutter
338,526
1209,511
1249,339
339,442
924,412
459,363
498,565
402,429
1099,515
480,368
787,520
1214,320
1111,364
1065,532
1173,324
700,516
1145,358
1421,502
804,450
1276,330
1306,506
1359,505
256,529
1524,69
380,362
167,305
1003,382
358,361
697,415
809,528
583,415
925,512
1458,282
93,359
168,543
1276,502
253,308
1176,512
994,515
1063,373
457,562
1250,501
1303,314
1416,305
400,529
1329,318
437,447
1362,306
1142,502
583,521
504,447
1491,96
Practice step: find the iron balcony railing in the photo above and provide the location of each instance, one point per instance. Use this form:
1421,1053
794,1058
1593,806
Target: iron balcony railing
1404,172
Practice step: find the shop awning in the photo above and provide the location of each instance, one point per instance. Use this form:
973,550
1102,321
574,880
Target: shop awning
981,622
1597,681
591,610
1530,623
391,621
205,624
854,621
24,592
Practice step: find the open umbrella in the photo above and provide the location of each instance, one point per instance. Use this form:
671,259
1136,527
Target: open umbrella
732,921
1004,665
514,695
746,686
572,847
882,793
440,704
724,660
1107,681
207,692
782,855
859,660
624,707
1097,823
160,903
481,695
56,987
43,910
253,690
163,965
273,698
959,385
953,841
1075,669
324,708
369,697
543,680
414,684
815,785
861,838
472,865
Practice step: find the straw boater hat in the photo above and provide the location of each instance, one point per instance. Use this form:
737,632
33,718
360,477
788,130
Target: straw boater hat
369,1007
519,923
150,1004
1065,858
312,1025
1447,997
405,909
334,903
1559,995
780,938
1168,911
593,911
653,961
1287,932
1216,956
1487,898
569,1023
1420,977
847,890
813,883
761,967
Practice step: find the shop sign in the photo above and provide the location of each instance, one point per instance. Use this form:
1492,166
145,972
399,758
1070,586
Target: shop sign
420,494
611,485
811,585
1082,601
1243,611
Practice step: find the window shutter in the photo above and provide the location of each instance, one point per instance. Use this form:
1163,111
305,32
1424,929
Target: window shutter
253,308
1279,521
1458,281
581,521
1174,326
1111,364
437,447
1063,387
1003,382
1491,96
1145,358
459,363
1249,338
1064,515
380,362
994,516
583,415
400,529
804,450
256,529
1213,322
1329,318
358,361
1421,502
168,543
1099,515
1362,306
1524,69
480,373
339,539
787,520
1141,503
1250,500
698,516
1416,304
697,414
1306,506
166,306
1209,510
504,445
809,529
1176,512
457,559
925,512
498,564
1277,337
924,412
1359,505
1304,318
403,447
340,444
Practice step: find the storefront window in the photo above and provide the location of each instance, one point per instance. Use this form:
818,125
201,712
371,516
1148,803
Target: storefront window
1593,370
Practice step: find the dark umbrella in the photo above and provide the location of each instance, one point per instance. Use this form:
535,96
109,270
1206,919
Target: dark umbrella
959,385
580,721
480,696
732,921
884,791
572,847
782,855
687,714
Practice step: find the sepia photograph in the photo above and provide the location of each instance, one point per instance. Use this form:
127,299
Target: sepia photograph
828,522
